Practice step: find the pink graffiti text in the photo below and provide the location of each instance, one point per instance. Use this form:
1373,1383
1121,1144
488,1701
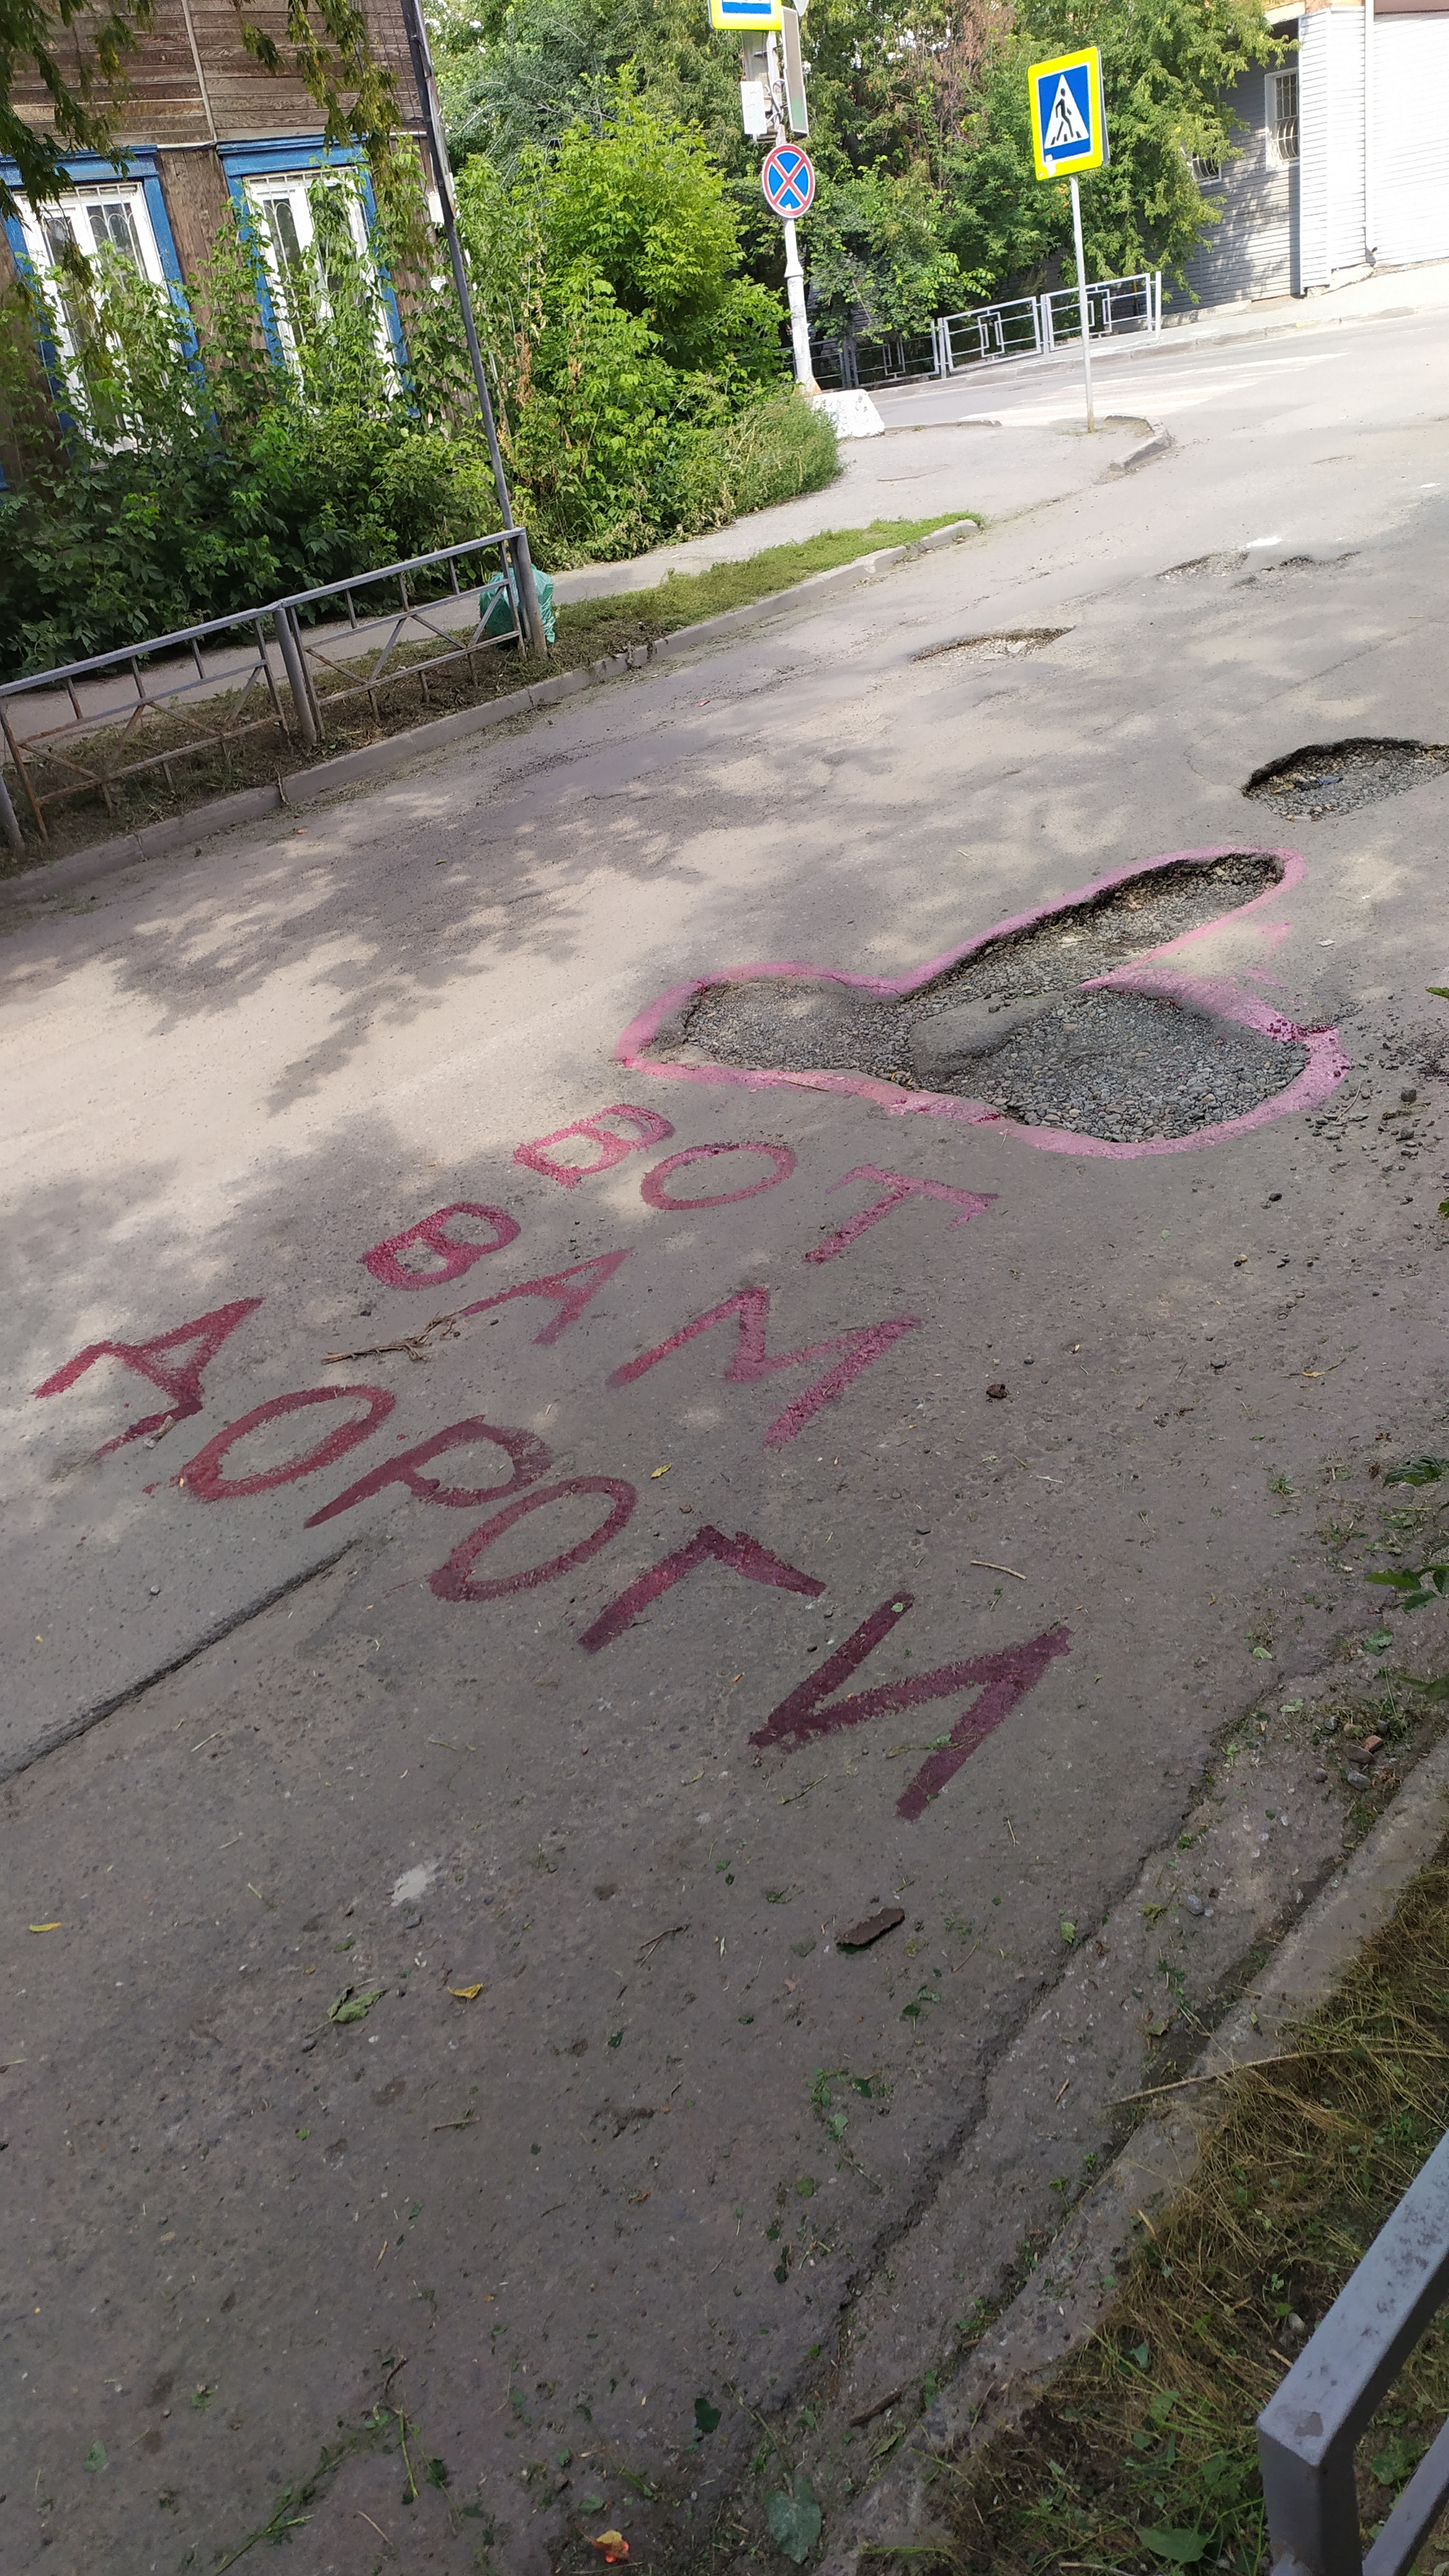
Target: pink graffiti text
749,1310
529,1458
454,1257
179,1382
570,1299
652,1190
1002,1680
453,1581
898,1187
649,1129
742,1554
202,1477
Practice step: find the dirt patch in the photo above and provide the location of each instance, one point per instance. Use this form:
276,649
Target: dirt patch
1011,1024
1340,777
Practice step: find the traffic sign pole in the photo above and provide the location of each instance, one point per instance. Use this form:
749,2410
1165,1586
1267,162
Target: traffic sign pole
1069,134
1082,298
799,324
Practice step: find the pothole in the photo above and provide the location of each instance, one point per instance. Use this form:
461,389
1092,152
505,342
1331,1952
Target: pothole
996,648
1250,574
1206,567
1012,1025
1339,777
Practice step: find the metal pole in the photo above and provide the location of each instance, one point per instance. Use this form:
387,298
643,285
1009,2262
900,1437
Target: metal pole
799,325
530,615
1082,298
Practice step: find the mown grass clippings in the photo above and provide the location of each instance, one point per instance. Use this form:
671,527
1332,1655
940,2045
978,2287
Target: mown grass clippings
424,682
1142,2455
293,2506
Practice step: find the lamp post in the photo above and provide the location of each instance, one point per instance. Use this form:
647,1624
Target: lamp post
530,614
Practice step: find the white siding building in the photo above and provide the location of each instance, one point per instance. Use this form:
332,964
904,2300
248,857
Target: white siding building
1342,170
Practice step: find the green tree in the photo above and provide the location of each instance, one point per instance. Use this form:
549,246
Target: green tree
877,258
1165,69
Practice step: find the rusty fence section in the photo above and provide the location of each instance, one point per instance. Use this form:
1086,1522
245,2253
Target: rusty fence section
215,691
1308,2430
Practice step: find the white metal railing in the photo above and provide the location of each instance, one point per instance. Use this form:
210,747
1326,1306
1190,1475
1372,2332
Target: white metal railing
990,331
1115,306
1031,326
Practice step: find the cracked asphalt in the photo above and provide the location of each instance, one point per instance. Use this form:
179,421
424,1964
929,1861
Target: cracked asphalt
516,1544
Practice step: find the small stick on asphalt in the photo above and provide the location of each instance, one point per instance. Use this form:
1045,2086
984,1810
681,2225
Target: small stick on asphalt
453,2124
651,1946
412,1343
985,1562
377,2526
1065,2088
401,2363
402,2434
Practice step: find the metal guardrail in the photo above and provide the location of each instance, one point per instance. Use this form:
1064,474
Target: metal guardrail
1028,326
1308,2429
286,667
989,331
1115,305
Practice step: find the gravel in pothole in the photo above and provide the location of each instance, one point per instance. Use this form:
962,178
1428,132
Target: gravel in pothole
996,648
1339,777
1011,1025
1227,567
1124,1067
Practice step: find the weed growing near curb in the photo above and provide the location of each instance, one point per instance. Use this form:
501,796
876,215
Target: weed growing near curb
1142,2455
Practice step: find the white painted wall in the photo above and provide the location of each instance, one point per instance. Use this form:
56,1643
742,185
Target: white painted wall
1409,214
1249,251
1331,129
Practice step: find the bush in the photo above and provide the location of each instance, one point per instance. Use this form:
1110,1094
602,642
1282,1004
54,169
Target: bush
174,468
773,452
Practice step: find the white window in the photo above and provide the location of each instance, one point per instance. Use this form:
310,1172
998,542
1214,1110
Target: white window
1282,116
1208,174
287,238
110,218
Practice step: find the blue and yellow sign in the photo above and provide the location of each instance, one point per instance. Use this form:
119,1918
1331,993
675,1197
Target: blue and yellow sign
763,15
1068,122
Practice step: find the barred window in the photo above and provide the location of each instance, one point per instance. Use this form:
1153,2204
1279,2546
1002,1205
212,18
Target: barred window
1282,119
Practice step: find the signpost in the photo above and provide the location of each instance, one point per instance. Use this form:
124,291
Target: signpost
772,104
1069,134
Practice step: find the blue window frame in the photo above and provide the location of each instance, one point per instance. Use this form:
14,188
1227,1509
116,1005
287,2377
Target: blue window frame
289,162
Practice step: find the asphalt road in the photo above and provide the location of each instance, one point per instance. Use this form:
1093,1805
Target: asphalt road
520,2088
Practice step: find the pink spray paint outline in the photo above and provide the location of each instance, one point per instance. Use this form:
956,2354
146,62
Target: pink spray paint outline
1327,1063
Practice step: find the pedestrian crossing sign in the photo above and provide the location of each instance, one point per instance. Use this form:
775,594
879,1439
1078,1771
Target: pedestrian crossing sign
764,16
1068,126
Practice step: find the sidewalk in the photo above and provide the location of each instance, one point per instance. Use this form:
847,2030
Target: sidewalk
947,466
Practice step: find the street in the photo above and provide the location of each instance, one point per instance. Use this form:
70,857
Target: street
552,1479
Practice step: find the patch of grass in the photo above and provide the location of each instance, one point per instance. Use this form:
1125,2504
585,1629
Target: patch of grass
423,683
1142,2454
683,599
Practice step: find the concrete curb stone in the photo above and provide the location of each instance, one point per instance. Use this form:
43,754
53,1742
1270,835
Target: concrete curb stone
306,787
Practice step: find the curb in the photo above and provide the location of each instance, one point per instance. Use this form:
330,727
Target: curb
1060,2308
302,787
1157,445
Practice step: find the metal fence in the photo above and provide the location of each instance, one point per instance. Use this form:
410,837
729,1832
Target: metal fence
1029,326
841,365
286,671
1309,2427
1116,306
990,331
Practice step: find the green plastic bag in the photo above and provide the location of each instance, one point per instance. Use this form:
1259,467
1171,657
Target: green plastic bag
495,604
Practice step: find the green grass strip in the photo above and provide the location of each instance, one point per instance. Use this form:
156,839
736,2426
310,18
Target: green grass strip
590,628
1141,2454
